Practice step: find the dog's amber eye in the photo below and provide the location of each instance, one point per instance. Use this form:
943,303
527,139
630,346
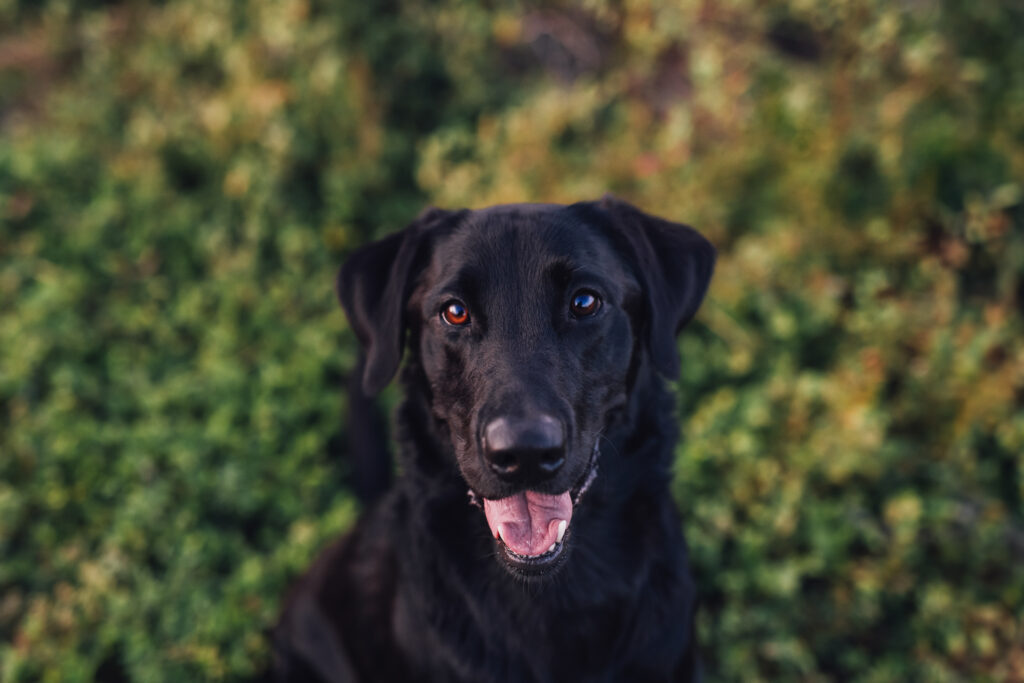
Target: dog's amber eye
584,303
455,313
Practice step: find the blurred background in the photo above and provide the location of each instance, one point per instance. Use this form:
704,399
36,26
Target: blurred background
179,181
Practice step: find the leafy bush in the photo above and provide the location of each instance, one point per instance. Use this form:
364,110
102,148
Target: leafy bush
179,181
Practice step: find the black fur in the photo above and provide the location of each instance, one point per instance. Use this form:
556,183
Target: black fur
420,590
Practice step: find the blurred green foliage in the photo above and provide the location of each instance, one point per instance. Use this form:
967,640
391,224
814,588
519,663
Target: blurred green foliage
179,181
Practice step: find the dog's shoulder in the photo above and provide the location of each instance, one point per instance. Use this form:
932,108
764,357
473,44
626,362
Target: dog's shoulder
336,620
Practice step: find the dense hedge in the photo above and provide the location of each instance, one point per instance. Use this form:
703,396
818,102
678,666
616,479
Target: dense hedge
179,181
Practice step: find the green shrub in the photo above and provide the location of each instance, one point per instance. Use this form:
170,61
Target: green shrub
180,180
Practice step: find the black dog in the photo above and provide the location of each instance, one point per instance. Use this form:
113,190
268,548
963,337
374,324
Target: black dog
537,336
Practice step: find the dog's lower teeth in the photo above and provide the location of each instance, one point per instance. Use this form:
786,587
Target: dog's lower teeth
552,548
561,531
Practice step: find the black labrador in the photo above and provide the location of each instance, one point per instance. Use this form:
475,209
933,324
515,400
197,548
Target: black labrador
530,535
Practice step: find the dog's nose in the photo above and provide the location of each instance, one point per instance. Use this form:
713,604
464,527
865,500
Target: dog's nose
524,450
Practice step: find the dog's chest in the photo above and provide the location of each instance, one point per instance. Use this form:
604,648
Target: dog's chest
489,641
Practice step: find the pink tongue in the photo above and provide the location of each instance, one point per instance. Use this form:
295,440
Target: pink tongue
528,521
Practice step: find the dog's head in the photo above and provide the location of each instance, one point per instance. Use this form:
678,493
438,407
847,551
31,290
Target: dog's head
530,323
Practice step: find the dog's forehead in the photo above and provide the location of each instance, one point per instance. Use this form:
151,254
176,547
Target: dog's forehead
524,240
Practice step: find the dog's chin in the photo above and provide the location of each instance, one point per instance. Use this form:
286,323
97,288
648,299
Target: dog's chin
532,531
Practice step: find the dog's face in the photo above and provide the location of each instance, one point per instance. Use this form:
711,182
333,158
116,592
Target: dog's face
530,323
526,340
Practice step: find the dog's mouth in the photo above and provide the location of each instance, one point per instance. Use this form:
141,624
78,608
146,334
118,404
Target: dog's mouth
532,528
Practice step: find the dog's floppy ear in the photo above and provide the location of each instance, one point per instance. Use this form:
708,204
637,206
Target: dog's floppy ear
674,263
373,286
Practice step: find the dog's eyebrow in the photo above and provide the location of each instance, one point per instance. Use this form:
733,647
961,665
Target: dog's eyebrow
466,280
564,269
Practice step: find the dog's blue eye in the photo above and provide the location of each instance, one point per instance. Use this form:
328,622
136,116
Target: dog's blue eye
455,313
584,303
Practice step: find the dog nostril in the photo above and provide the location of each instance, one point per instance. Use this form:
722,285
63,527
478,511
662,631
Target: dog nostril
503,462
551,462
